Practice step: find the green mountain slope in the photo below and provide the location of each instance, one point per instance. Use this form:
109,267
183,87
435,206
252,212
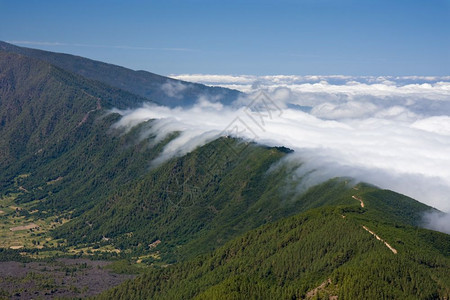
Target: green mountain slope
195,203
41,104
53,126
164,90
315,254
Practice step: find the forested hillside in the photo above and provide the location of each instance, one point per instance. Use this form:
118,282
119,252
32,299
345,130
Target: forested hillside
323,253
193,204
53,125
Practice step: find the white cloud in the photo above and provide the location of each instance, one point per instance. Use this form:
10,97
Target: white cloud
338,96
437,221
438,124
394,135
303,83
350,109
174,89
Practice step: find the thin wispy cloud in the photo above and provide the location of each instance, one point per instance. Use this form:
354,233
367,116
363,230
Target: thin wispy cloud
126,47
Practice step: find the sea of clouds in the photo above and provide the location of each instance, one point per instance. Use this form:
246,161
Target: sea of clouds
393,132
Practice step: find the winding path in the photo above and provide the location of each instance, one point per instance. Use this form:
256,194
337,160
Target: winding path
380,239
86,116
359,199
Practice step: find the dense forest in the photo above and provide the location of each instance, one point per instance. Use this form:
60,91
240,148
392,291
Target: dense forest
317,254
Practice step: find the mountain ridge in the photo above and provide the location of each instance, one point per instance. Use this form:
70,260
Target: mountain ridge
160,89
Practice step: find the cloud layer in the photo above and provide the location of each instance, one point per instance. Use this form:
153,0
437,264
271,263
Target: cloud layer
392,132
247,83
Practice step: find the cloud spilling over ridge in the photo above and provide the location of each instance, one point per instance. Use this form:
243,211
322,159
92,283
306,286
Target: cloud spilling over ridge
437,221
392,132
174,89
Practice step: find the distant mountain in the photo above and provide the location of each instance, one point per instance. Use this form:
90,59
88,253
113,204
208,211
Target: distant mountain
157,88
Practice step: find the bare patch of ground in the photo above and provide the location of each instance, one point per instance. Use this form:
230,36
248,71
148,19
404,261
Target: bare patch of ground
24,227
16,247
71,278
324,287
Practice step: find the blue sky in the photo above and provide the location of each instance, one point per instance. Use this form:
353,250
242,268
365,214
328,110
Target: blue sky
241,37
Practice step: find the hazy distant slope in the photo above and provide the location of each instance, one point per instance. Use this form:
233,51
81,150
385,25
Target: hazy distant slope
154,87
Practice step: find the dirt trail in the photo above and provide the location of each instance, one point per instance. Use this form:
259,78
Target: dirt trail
86,116
380,239
359,199
55,180
312,293
21,188
154,244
